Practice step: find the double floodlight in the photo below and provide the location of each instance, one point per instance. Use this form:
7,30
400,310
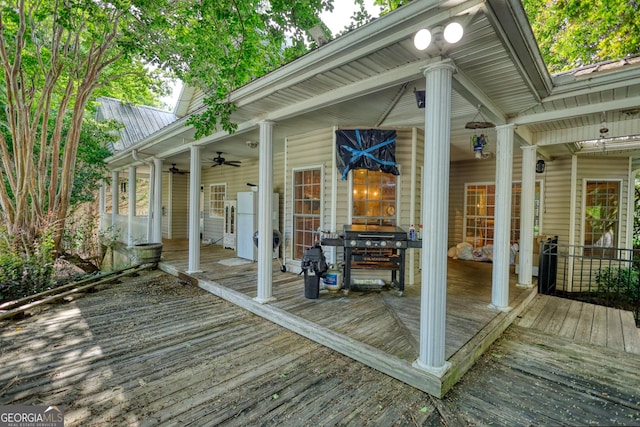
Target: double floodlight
452,33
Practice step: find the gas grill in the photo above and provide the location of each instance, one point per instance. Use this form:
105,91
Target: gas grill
373,247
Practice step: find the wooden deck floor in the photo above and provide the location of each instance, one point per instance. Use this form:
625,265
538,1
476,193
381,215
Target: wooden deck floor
155,351
379,329
583,323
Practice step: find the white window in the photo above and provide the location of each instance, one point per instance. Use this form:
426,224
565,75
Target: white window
307,194
217,196
601,217
480,211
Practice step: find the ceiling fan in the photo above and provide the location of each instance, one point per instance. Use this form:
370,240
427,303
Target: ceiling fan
173,169
219,161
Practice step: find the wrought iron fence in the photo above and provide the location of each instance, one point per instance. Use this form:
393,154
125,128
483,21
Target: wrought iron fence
604,276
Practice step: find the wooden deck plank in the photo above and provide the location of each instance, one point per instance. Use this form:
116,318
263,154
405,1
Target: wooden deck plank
554,319
571,320
615,339
531,315
572,385
585,323
630,332
599,328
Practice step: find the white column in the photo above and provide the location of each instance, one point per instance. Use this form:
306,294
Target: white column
502,219
435,196
132,205
527,200
194,210
115,198
102,204
265,214
157,202
102,197
412,201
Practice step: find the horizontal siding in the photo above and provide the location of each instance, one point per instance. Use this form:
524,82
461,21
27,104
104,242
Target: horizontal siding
180,206
473,171
236,179
556,199
310,150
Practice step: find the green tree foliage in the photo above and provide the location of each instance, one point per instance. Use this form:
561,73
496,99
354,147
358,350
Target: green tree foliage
219,46
575,33
57,55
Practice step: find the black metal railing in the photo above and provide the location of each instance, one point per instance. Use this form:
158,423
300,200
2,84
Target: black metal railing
604,276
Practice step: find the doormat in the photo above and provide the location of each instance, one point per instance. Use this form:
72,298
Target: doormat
231,262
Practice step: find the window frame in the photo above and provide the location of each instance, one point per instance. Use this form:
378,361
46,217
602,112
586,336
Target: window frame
374,220
590,249
315,218
216,206
513,235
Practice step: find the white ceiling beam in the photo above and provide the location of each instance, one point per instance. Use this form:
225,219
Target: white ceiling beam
475,96
554,115
388,79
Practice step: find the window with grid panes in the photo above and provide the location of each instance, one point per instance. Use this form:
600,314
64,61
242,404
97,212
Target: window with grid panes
480,211
601,217
217,196
374,198
307,192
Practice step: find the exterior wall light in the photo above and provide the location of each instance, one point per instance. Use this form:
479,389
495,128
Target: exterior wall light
422,39
452,34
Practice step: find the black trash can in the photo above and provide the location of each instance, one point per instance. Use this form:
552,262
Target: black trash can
313,259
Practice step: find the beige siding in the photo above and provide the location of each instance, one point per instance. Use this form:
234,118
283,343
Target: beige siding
315,149
236,179
310,150
180,206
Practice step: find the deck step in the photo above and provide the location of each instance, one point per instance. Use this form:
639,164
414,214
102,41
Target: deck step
583,323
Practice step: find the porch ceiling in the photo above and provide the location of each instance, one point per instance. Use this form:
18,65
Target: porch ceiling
366,79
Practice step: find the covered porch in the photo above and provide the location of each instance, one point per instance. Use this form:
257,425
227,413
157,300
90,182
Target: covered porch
377,328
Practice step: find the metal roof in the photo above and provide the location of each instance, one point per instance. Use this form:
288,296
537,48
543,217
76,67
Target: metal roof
139,121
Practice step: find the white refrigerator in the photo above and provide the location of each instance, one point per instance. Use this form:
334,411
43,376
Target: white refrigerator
247,210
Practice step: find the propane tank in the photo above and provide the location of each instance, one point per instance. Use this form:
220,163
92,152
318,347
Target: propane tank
333,279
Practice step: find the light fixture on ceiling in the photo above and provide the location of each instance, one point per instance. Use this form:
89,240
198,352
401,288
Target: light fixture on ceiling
451,34
252,144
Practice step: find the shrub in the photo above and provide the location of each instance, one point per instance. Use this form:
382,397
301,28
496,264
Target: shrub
23,274
619,283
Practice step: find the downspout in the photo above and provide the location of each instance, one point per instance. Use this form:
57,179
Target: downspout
150,164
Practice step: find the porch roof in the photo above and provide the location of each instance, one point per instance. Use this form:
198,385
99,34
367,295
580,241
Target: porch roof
366,78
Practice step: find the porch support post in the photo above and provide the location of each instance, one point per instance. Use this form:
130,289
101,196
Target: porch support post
132,205
194,210
265,214
102,203
502,219
435,212
527,200
157,202
115,198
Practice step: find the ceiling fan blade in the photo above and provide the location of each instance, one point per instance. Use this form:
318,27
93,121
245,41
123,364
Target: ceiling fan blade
232,164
